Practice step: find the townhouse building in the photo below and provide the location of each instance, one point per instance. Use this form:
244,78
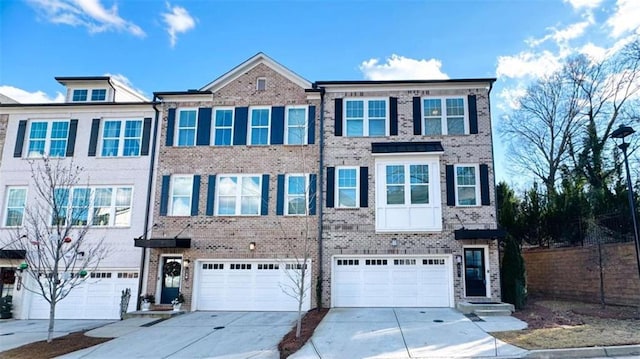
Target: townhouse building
105,128
235,212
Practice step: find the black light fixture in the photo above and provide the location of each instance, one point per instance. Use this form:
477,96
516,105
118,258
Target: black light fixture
622,132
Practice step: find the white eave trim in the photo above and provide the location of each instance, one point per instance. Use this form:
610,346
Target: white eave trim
404,87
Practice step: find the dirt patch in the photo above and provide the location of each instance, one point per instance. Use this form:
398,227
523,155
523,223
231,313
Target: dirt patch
555,324
59,346
290,344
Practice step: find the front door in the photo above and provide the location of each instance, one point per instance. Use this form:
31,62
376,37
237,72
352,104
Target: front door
171,274
475,281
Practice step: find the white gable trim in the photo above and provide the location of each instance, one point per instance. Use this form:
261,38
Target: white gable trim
259,58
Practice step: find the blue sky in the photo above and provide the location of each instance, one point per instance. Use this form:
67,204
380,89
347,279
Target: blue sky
179,45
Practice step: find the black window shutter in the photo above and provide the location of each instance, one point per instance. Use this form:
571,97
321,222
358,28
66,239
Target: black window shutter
204,126
331,182
146,136
164,195
364,187
71,138
484,185
93,140
311,123
211,194
473,114
451,188
417,116
277,125
338,116
280,196
265,196
171,123
195,195
313,183
393,116
22,129
240,126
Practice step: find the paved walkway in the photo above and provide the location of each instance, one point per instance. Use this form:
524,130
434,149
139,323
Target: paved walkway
15,333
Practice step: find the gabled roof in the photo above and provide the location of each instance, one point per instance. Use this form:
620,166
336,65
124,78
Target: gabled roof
259,58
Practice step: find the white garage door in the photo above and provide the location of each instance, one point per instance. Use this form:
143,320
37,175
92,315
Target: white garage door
249,285
97,298
392,282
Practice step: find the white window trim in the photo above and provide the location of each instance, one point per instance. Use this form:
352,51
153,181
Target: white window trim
258,80
177,125
477,185
171,188
47,138
487,270
365,113
90,208
337,186
6,206
443,116
305,140
238,194
90,95
233,120
250,126
121,139
305,194
73,91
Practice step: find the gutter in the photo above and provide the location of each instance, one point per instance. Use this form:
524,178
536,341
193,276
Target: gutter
147,212
113,88
320,199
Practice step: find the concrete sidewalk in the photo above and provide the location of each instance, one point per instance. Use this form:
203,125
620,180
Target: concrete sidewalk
15,333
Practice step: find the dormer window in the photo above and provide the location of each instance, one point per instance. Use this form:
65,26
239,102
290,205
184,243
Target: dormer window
79,95
261,84
98,94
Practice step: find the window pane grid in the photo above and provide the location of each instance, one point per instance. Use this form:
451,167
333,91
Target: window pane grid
187,128
452,115
95,205
366,118
223,127
466,185
296,194
181,195
79,95
260,126
296,126
98,95
16,202
347,187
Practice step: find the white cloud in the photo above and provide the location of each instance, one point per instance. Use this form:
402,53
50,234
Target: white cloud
23,96
626,18
581,4
510,98
528,64
123,80
403,68
85,13
178,20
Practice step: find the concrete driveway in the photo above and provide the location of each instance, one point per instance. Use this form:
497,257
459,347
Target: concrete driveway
195,335
15,333
407,333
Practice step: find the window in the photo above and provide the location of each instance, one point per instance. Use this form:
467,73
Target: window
366,118
296,190
408,193
14,209
467,189
181,191
48,137
347,193
261,84
187,127
259,126
98,95
121,138
296,126
238,195
223,127
444,116
96,206
79,95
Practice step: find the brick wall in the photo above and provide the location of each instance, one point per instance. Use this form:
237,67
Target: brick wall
574,273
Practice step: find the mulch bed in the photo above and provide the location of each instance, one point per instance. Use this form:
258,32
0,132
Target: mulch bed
290,344
59,346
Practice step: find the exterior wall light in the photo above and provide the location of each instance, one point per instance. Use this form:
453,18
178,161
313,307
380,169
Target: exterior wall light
459,265
252,246
394,242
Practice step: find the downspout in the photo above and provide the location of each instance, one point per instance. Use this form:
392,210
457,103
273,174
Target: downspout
147,212
495,194
320,199
112,87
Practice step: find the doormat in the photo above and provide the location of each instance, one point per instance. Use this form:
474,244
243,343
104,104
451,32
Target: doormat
473,317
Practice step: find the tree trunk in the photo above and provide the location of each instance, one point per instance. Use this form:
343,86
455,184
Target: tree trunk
52,317
303,272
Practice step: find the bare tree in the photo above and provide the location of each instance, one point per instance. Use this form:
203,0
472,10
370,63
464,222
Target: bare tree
54,234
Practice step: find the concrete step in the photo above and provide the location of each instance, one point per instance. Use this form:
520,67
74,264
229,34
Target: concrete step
153,314
474,307
492,312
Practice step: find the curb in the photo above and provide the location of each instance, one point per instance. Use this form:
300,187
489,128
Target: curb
593,352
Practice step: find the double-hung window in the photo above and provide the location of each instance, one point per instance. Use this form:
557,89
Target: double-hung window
467,185
260,119
347,189
181,192
296,125
238,195
407,184
366,117
79,95
186,129
121,138
97,206
98,94
444,116
15,205
48,137
297,189
223,127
